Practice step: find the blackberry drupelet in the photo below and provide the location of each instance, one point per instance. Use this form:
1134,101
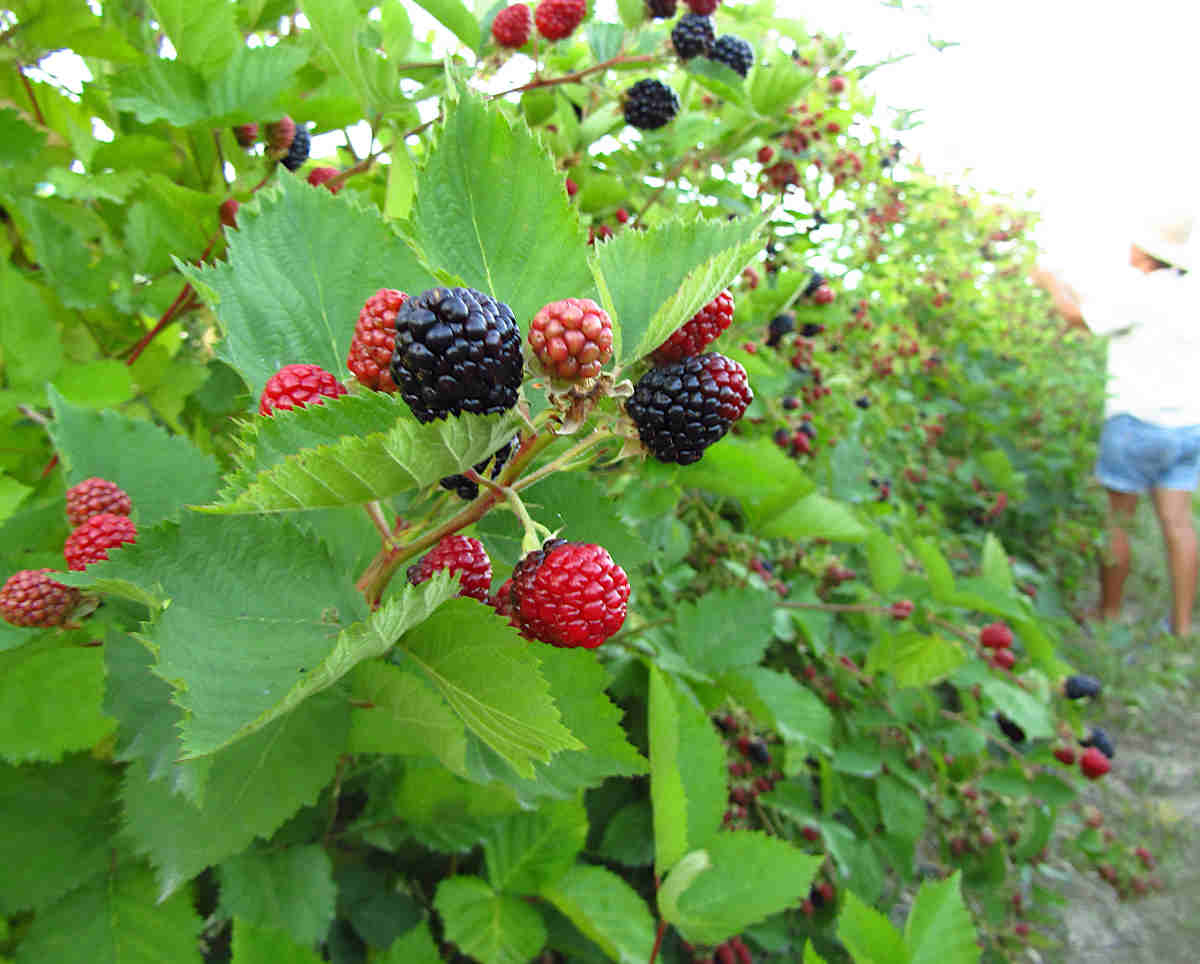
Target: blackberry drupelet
693,36
682,409
650,104
298,153
733,52
457,350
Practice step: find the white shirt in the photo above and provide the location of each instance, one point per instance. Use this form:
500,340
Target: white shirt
1153,321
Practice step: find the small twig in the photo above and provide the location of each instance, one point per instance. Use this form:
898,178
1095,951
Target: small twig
375,513
37,110
220,157
343,760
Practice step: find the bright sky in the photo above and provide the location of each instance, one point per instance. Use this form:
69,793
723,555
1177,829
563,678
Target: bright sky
1092,105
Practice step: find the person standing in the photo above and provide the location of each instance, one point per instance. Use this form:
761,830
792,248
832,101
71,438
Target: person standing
1150,439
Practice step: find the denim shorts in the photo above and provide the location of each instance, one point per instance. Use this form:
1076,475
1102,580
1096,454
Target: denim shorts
1135,455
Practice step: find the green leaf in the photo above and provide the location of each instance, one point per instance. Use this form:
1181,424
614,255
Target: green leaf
354,469
456,18
19,142
29,332
12,494
577,681
607,911
753,471
253,787
160,472
1032,715
489,675
159,89
149,719
97,384
61,234
114,920
817,517
939,927
799,715
254,606
402,179
57,829
397,711
653,281
339,24
629,835
397,28
884,561
605,39
250,83
903,809
291,890
914,659
811,956
868,935
937,569
202,31
738,879
724,630
491,209
993,566
776,84
687,772
50,700
253,944
490,927
285,294
415,947
528,852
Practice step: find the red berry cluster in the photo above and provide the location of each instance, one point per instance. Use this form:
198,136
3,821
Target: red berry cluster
557,19
698,332
512,26
374,339
98,511
295,386
462,555
572,338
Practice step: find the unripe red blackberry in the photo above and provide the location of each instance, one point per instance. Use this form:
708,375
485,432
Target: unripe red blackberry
228,212
650,104
91,541
374,339
693,36
996,636
460,554
1093,763
280,135
569,594
682,409
706,8
733,52
694,335
31,598
245,134
295,386
94,496
512,26
557,19
572,338
457,350
322,175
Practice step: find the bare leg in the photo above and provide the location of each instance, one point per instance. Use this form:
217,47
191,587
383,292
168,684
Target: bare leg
1174,510
1114,568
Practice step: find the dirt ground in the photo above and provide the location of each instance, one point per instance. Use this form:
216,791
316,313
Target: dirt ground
1151,708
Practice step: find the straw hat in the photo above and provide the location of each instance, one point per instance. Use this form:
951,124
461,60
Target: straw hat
1169,239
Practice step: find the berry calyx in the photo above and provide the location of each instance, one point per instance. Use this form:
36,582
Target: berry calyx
322,175
94,496
295,386
91,541
457,350
569,594
463,555
1093,763
681,409
557,19
512,26
694,335
693,36
650,104
31,598
996,636
572,338
733,52
374,339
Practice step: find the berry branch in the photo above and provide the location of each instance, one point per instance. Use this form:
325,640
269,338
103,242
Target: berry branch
37,109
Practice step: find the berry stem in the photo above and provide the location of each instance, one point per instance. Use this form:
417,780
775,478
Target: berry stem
578,75
374,512
561,462
658,938
37,110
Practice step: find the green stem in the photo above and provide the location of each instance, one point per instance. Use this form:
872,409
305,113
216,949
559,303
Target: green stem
562,461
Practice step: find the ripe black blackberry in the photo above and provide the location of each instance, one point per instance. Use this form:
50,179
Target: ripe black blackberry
811,329
780,325
650,104
457,350
682,409
661,9
467,490
298,153
733,52
693,36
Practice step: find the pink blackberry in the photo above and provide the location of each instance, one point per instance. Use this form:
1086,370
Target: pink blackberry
572,338
91,541
31,598
94,496
460,554
512,26
557,19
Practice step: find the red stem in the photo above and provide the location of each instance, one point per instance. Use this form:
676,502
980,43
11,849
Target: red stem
658,938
